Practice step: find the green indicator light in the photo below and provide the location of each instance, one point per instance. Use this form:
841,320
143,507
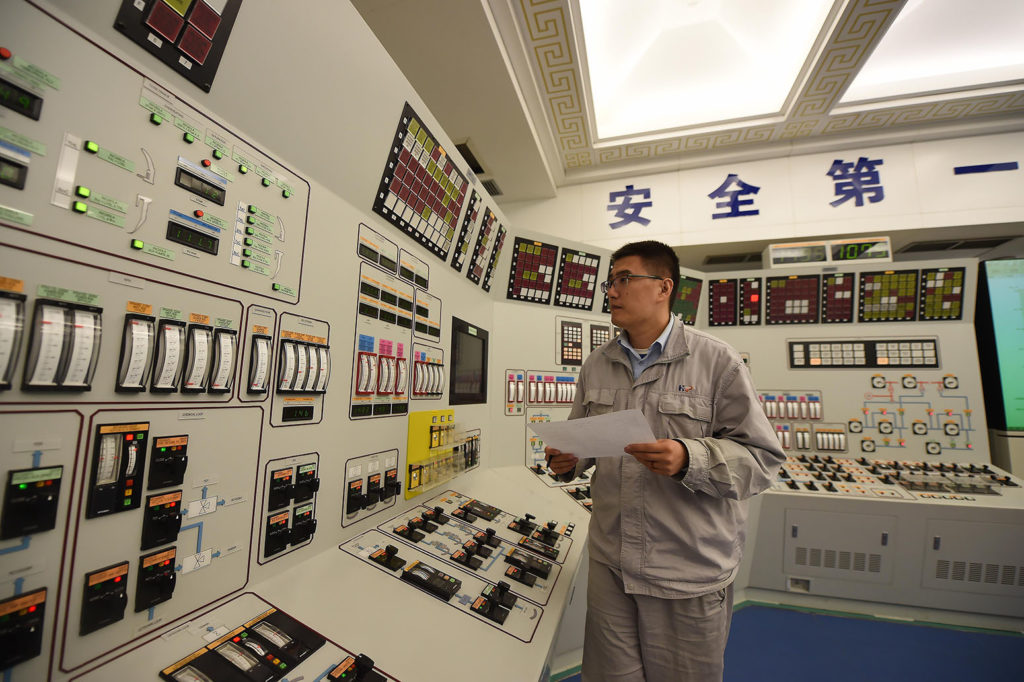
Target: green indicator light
247,252
127,502
276,286
244,635
250,230
250,220
23,486
286,193
248,242
283,666
243,169
189,137
252,208
79,207
218,154
163,449
140,435
91,147
245,264
83,192
266,182
156,119
137,243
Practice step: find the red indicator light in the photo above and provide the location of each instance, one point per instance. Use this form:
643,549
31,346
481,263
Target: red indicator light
754,298
129,436
117,579
206,163
5,54
199,213
32,609
236,639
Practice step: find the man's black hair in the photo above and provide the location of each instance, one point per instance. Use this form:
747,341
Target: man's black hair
659,257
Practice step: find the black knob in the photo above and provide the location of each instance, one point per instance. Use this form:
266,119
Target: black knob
551,525
501,589
529,517
364,664
439,510
390,551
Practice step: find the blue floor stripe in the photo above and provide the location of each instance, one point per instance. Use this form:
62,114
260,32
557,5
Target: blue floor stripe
775,645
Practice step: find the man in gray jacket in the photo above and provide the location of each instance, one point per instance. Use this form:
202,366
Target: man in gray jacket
668,524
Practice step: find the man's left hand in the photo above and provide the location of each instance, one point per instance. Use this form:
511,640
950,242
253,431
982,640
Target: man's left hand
666,456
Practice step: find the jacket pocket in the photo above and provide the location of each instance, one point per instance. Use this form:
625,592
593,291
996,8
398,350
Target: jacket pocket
599,401
684,416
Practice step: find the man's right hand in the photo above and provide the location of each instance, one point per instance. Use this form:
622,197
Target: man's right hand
560,462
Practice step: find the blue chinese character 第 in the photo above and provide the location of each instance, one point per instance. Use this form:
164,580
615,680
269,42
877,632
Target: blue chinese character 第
855,181
732,198
629,211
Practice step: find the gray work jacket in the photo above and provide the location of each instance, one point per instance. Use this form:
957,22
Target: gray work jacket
681,537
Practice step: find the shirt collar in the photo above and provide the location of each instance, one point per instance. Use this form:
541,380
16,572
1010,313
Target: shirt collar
658,342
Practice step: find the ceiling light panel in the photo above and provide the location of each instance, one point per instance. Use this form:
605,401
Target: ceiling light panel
936,45
657,65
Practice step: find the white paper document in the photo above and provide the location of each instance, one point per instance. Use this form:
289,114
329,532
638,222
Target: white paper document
602,436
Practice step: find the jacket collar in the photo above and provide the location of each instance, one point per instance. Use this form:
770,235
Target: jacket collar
675,348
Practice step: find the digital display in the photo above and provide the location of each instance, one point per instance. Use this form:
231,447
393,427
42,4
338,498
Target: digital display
787,254
20,100
188,237
837,297
468,379
297,413
1001,316
12,174
577,279
861,250
792,299
532,275
889,296
687,299
942,294
722,302
197,185
750,301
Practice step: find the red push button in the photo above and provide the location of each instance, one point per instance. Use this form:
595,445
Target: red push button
5,54
198,213
206,163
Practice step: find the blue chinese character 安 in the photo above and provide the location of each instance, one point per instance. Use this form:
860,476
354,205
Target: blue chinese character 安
629,211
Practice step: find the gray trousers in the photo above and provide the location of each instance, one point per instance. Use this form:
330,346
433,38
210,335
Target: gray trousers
637,638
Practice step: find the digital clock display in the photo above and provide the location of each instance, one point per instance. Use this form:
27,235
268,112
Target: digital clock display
188,237
20,100
860,250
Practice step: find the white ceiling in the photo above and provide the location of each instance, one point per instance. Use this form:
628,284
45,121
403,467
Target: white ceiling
508,77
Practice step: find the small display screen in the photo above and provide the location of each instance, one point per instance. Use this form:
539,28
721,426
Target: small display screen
688,299
20,100
468,379
1003,310
806,253
297,413
12,174
187,236
863,250
197,185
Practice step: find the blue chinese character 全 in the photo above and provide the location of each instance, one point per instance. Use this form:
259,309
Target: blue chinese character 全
854,181
629,211
732,198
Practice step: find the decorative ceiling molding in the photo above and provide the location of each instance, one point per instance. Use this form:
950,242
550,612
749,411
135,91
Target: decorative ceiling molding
546,33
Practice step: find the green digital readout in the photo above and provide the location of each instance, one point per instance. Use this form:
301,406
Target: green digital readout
20,100
188,237
862,250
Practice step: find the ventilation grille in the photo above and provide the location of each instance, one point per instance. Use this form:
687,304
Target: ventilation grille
492,188
470,158
955,244
978,572
726,258
838,559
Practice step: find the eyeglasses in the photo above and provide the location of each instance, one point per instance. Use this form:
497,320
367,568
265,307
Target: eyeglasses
620,282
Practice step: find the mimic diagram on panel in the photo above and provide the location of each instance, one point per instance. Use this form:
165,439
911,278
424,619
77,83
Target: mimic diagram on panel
178,185
152,485
907,411
37,455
